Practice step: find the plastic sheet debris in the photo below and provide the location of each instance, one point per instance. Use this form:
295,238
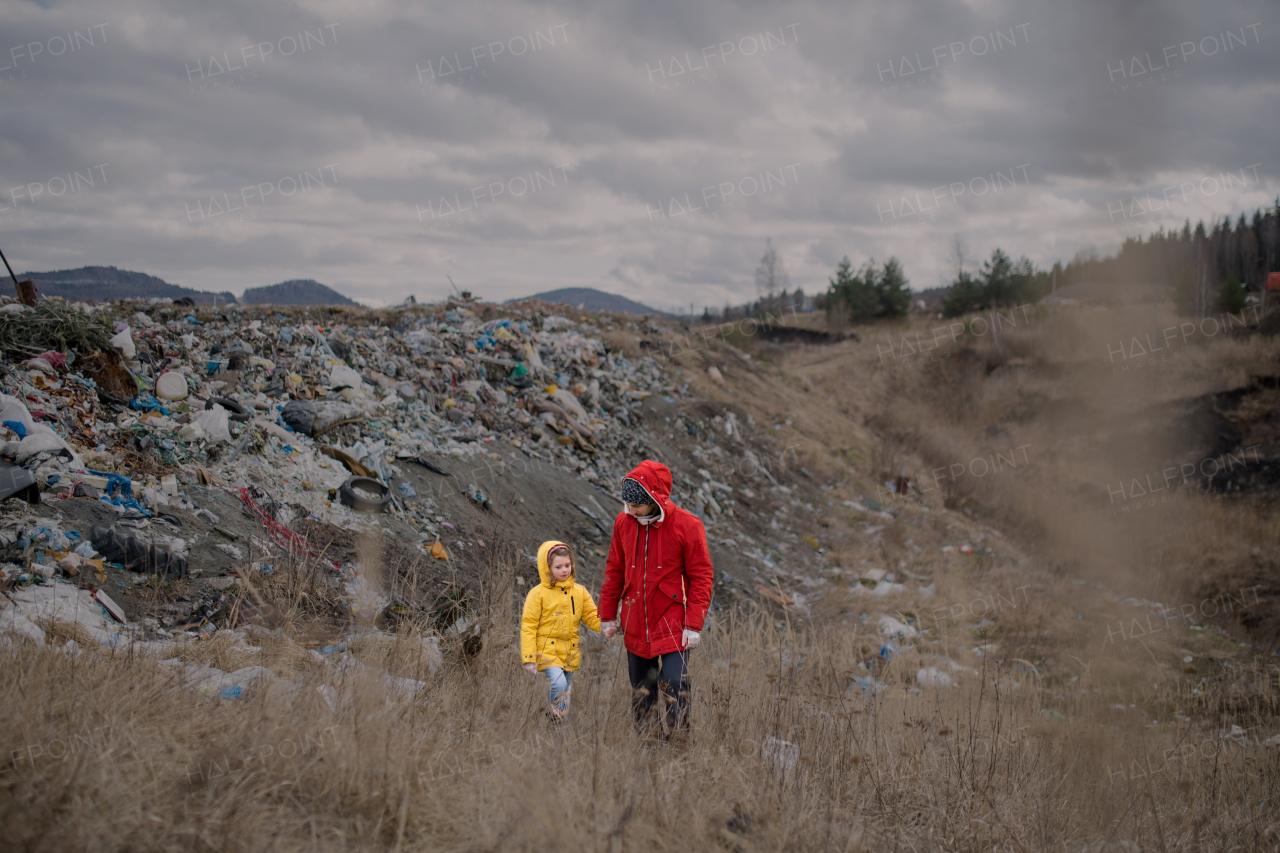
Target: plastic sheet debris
891,627
56,610
931,676
430,466
18,482
867,684
214,423
136,554
123,341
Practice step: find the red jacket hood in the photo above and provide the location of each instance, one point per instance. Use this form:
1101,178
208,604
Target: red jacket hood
656,479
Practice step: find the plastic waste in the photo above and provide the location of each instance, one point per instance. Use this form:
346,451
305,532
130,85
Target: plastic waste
18,482
347,378
37,437
891,627
172,386
215,423
931,676
299,415
123,341
136,554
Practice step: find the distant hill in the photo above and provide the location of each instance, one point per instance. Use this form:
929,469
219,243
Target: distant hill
103,283
303,291
590,299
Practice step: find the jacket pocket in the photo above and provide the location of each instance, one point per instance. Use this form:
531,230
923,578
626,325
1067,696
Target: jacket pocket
670,592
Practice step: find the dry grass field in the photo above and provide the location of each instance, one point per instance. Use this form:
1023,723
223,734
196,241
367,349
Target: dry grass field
1037,708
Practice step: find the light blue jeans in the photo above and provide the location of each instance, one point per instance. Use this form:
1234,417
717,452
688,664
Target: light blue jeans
561,682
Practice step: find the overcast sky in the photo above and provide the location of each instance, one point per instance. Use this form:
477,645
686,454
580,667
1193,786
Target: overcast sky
645,148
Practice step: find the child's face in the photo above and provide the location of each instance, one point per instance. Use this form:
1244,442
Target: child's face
561,567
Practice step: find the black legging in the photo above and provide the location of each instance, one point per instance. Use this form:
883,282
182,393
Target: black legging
670,674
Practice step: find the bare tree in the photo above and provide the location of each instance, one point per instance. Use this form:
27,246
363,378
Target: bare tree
959,256
771,275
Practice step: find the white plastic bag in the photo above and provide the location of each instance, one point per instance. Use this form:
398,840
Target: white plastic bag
124,343
341,375
215,422
39,437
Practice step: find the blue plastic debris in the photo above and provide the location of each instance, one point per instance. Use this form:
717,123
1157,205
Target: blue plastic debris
867,684
114,482
407,489
146,402
18,427
127,503
231,691
888,650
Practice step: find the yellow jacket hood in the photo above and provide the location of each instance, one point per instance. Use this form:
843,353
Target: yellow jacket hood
544,566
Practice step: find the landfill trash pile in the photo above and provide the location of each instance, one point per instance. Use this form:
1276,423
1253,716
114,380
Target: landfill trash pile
179,462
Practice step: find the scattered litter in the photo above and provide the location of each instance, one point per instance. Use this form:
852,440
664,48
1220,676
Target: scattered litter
891,627
867,684
364,494
931,676
781,755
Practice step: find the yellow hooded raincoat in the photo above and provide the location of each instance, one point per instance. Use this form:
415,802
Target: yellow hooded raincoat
552,611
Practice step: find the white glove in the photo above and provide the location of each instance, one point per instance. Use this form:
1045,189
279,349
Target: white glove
691,639
608,629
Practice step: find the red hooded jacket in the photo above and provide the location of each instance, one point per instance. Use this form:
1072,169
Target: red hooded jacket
657,579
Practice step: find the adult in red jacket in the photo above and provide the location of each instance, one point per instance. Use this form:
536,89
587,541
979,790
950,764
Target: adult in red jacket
657,586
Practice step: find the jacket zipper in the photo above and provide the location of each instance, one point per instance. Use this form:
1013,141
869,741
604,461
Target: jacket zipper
644,585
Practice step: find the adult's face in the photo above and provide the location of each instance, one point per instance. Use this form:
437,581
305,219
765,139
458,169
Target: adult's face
642,510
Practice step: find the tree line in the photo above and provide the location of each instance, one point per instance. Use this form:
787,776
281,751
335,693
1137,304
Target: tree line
1203,269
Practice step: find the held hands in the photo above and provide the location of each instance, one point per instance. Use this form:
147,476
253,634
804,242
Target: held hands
531,668
608,629
691,639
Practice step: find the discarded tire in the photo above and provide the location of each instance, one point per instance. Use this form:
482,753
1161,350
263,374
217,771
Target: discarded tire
237,411
364,494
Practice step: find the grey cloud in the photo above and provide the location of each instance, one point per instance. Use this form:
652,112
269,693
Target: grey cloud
590,97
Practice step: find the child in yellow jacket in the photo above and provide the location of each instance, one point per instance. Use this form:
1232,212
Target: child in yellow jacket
549,626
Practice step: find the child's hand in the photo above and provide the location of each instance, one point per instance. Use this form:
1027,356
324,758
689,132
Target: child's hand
531,668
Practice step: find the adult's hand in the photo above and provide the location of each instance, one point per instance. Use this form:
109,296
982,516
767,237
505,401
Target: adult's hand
691,639
531,668
608,629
